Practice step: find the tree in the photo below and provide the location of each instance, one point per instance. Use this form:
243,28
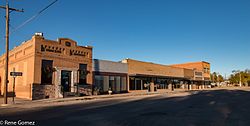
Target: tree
213,76
220,78
244,76
216,77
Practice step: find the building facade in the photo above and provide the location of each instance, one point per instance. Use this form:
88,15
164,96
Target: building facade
54,69
109,75
141,74
201,69
50,68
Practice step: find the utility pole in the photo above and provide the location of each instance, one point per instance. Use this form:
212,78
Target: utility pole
240,78
8,9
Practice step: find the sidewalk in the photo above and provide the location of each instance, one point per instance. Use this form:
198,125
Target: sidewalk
20,101
16,100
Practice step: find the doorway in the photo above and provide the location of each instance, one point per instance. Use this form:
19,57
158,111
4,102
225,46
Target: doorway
66,80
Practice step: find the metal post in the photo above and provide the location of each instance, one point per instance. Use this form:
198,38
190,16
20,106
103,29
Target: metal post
14,84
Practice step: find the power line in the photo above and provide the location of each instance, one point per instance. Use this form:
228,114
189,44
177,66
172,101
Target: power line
31,18
34,16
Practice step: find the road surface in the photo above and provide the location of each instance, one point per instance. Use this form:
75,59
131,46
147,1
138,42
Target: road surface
205,108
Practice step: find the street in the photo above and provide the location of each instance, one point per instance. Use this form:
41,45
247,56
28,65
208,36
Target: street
200,108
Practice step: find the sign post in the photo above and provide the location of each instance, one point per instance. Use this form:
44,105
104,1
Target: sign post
14,75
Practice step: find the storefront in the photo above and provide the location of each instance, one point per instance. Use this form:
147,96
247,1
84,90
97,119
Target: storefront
50,68
110,75
141,74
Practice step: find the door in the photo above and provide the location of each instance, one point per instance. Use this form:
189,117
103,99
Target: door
66,80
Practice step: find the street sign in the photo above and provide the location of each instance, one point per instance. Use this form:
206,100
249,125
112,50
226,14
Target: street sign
16,74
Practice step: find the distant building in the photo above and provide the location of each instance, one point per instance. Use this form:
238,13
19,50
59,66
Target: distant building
166,76
50,68
201,69
109,75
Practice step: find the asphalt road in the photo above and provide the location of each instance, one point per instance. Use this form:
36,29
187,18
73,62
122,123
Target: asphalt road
206,108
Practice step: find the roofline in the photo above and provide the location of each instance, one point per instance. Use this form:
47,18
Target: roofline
107,60
147,62
190,63
165,64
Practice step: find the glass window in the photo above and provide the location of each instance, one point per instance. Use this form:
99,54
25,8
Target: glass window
105,83
117,83
112,83
68,44
83,73
123,84
42,48
99,82
47,71
131,83
138,84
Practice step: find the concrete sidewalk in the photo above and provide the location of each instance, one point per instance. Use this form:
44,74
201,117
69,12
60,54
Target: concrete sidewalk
20,101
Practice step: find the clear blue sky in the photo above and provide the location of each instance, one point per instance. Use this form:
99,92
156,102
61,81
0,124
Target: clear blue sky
160,31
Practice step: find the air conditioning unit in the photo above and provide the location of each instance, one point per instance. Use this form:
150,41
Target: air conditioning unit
39,34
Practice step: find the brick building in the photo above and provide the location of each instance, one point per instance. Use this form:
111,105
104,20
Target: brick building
53,69
201,69
50,68
190,76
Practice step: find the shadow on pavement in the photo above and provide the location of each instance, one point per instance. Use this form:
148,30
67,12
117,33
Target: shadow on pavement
206,108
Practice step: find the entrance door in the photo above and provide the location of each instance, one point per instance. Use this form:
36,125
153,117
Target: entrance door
66,80
138,83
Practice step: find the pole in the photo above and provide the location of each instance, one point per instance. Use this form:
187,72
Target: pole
240,79
14,93
6,56
7,49
14,82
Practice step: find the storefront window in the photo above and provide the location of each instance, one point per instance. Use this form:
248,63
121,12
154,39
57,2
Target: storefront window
99,82
123,84
47,72
117,83
83,73
112,82
131,83
138,84
105,83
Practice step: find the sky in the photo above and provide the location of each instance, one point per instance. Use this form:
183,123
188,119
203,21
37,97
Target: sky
159,31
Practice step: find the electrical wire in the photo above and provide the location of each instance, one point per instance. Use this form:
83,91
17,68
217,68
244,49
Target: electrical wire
33,17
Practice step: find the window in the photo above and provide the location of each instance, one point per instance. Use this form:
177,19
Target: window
68,44
138,83
42,48
83,73
99,81
117,83
198,73
123,84
206,70
112,83
47,71
131,84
